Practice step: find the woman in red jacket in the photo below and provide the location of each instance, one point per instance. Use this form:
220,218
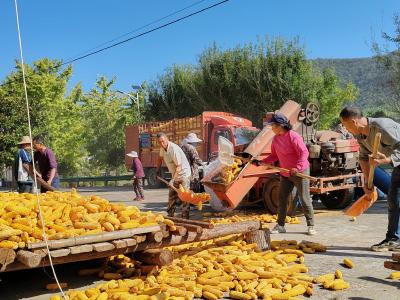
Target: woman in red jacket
289,149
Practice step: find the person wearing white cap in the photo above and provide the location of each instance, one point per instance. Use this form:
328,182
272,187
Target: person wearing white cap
189,148
23,160
138,175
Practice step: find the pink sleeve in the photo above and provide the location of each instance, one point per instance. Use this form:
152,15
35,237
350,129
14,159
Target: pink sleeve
301,150
270,159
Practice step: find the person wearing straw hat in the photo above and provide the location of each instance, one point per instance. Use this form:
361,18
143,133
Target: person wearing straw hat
138,175
22,161
189,148
289,149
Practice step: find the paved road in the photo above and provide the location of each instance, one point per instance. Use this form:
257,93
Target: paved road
368,280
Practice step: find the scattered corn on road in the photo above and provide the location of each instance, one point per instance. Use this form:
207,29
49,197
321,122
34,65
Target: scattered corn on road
344,238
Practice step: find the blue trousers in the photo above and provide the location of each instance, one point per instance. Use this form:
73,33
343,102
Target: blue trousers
393,232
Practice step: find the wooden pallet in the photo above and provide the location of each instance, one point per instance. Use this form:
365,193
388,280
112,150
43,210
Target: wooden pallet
393,264
99,246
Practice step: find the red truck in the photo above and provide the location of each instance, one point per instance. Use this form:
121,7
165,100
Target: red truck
208,126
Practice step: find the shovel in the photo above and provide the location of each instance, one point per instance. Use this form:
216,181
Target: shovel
301,175
187,196
365,201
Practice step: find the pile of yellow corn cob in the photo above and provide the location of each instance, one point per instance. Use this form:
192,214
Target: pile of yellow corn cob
216,269
232,217
66,214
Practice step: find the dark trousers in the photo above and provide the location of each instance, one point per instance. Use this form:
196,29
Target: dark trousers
24,187
174,201
138,188
285,190
393,231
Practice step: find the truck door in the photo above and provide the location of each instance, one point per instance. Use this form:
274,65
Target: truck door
216,133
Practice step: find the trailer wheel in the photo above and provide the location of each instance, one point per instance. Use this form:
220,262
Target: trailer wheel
152,181
337,199
271,197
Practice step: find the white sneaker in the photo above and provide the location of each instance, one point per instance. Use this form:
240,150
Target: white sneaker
278,229
311,230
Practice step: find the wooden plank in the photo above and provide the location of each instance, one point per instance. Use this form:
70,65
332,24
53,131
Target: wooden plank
130,242
7,256
81,249
193,222
191,227
392,265
396,256
101,247
140,239
29,259
94,238
120,244
60,252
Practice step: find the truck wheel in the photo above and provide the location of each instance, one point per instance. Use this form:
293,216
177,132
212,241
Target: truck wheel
271,197
215,202
152,181
337,199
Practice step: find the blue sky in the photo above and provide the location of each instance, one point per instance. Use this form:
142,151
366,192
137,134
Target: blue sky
65,29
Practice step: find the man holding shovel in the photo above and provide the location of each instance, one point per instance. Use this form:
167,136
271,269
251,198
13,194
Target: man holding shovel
289,149
364,130
179,168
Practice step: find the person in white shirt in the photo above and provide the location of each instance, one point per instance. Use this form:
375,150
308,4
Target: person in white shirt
179,167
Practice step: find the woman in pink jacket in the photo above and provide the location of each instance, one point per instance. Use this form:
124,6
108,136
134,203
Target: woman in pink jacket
289,150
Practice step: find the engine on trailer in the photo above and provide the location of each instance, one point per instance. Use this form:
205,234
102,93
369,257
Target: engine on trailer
332,153
326,159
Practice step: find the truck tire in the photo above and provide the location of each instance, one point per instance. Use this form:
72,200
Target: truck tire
152,181
337,199
271,197
215,202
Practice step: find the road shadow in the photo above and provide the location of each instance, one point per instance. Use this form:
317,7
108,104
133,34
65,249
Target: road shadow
369,254
381,281
31,283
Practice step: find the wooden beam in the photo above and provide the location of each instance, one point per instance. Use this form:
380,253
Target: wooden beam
29,259
159,257
191,227
7,256
396,256
193,222
392,265
94,238
259,237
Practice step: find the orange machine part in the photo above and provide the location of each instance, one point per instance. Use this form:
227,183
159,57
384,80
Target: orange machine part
260,147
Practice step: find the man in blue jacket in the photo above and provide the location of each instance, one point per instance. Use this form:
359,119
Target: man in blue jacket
23,159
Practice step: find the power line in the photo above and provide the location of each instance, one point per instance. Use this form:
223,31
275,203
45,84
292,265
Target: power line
144,33
141,27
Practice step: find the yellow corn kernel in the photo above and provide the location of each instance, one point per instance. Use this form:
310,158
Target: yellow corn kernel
239,295
395,275
338,274
339,284
246,276
348,263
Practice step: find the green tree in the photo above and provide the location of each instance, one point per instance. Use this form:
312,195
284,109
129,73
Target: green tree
389,60
52,114
249,81
105,114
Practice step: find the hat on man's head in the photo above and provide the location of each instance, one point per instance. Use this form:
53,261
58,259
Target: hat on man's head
132,154
279,119
192,138
25,140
